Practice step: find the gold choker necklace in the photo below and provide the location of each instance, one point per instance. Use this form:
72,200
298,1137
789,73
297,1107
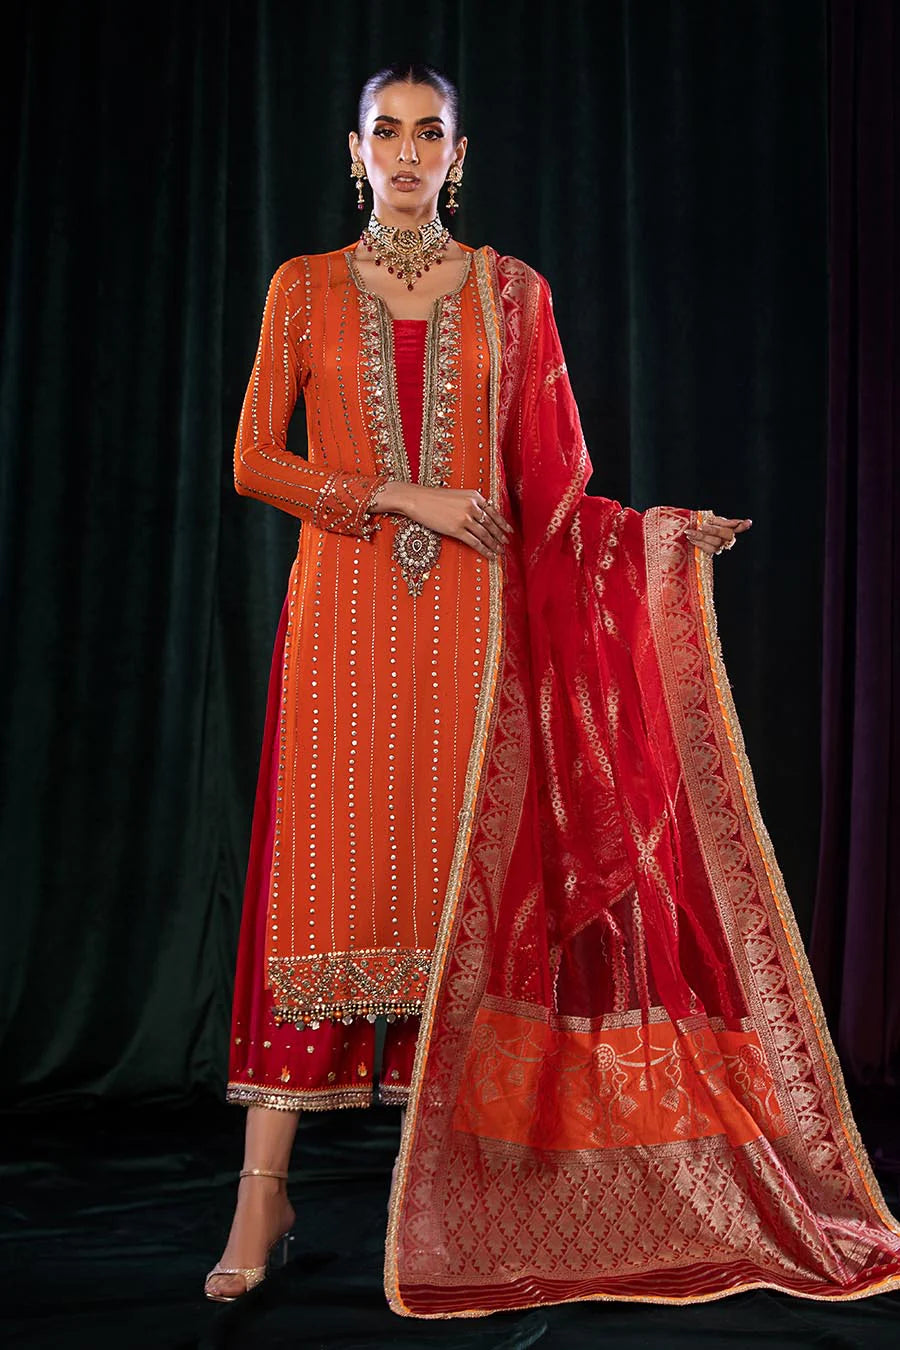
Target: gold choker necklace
408,253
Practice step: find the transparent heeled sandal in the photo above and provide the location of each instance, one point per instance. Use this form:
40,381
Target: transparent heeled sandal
276,1256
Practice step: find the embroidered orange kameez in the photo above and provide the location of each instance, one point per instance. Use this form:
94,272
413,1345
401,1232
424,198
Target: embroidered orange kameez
376,690
511,801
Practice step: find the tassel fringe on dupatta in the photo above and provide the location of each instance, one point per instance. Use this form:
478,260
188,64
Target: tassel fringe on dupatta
624,1085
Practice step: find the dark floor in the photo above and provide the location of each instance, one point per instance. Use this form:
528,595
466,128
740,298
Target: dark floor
109,1221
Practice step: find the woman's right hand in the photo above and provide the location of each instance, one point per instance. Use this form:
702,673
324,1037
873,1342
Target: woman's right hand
461,513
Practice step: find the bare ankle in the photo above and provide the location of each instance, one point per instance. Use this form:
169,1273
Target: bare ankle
258,1185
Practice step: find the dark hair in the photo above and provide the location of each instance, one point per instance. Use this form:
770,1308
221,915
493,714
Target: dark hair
410,73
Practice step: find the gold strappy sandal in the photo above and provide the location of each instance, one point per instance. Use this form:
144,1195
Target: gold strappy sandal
252,1275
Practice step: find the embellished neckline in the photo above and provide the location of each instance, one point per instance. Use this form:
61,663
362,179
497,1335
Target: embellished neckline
383,339
361,286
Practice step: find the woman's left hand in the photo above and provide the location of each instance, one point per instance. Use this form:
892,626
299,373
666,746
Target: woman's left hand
717,533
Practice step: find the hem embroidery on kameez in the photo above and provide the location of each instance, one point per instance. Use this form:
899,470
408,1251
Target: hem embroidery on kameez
343,985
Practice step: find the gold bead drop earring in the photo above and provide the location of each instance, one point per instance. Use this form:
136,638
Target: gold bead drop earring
454,178
358,171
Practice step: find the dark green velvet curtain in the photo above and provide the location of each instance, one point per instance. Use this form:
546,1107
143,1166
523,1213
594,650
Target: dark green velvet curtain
663,164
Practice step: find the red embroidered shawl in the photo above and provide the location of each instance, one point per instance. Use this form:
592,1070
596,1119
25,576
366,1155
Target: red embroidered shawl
624,1086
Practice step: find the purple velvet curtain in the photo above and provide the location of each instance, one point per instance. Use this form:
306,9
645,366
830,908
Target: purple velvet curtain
855,947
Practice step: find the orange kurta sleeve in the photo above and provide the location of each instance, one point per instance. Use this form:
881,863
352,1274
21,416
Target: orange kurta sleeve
331,498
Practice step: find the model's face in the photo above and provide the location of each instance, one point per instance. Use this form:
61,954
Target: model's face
407,145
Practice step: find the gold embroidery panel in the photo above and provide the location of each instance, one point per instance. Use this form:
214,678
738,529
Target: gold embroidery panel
349,984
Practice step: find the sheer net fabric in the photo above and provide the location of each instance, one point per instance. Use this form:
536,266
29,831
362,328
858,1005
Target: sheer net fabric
624,1086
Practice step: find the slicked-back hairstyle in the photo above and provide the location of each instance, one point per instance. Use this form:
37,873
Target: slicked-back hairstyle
410,73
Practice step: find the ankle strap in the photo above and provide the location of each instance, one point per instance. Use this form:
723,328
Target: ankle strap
262,1172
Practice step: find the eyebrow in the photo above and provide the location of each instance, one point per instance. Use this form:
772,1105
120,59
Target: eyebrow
383,117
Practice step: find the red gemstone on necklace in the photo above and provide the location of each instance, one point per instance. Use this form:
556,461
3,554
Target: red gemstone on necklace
410,286
391,270
377,262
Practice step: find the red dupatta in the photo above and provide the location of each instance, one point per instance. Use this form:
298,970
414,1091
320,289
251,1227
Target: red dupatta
624,1086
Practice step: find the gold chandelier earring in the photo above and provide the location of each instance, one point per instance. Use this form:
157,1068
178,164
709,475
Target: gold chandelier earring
358,171
454,178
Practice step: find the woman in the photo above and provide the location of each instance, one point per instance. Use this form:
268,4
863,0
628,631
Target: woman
504,804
